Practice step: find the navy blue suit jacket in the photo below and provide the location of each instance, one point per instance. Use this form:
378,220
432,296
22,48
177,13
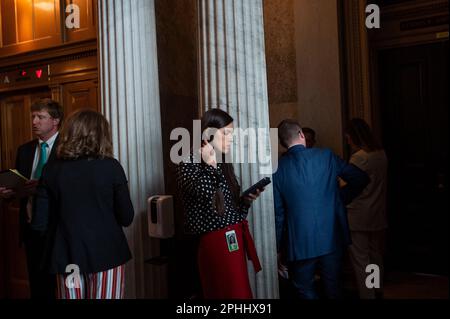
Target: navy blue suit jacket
310,205
24,165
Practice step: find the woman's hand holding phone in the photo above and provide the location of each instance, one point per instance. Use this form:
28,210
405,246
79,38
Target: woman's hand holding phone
248,200
208,154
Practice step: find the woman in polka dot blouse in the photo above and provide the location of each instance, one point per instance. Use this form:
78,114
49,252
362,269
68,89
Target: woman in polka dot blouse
217,213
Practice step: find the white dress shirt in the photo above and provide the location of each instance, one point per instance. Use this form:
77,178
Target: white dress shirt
50,142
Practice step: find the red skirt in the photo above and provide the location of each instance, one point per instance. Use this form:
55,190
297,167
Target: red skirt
224,274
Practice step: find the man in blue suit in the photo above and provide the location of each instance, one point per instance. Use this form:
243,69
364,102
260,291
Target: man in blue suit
310,207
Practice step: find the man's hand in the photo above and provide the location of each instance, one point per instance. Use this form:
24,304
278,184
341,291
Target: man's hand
283,270
6,193
29,189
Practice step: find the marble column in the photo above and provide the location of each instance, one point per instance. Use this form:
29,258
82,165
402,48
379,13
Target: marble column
233,77
130,101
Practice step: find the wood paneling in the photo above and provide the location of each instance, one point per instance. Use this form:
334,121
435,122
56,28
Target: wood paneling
15,122
88,18
15,131
46,19
85,48
80,95
16,126
24,77
393,35
16,267
411,23
8,18
30,25
414,107
24,21
74,70
2,257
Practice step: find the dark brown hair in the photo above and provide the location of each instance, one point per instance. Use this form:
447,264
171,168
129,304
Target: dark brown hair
361,135
216,118
52,107
287,131
86,133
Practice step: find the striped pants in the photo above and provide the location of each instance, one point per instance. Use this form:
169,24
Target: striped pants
107,284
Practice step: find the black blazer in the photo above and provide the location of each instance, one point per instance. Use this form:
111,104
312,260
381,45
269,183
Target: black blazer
24,165
82,205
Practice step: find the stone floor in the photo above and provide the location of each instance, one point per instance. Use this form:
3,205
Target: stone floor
397,285
416,286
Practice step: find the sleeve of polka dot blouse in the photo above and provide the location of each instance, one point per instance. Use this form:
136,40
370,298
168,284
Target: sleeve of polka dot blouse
195,181
243,208
197,185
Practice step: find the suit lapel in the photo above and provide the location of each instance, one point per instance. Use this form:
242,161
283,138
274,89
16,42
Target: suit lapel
29,158
52,156
30,153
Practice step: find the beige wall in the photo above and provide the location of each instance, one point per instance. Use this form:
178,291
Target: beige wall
303,63
318,71
281,60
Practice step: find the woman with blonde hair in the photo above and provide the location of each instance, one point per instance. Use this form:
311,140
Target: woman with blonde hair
81,205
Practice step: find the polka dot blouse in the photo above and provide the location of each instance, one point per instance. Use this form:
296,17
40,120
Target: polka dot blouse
197,183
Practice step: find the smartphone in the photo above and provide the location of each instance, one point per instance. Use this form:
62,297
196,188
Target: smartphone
260,185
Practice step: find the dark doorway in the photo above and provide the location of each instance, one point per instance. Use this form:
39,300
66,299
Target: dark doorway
414,113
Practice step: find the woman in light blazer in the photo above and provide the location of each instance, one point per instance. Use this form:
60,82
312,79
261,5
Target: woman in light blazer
367,213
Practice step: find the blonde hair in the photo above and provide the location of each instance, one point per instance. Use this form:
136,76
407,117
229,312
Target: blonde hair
86,133
52,107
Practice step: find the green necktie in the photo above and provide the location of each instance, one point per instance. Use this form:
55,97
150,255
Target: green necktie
42,160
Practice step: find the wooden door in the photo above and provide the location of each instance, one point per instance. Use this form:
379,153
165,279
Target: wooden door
414,108
80,95
15,131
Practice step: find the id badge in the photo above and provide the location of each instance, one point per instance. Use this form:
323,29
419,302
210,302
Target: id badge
232,240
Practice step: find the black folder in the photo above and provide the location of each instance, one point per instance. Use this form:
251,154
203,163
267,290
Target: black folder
11,178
